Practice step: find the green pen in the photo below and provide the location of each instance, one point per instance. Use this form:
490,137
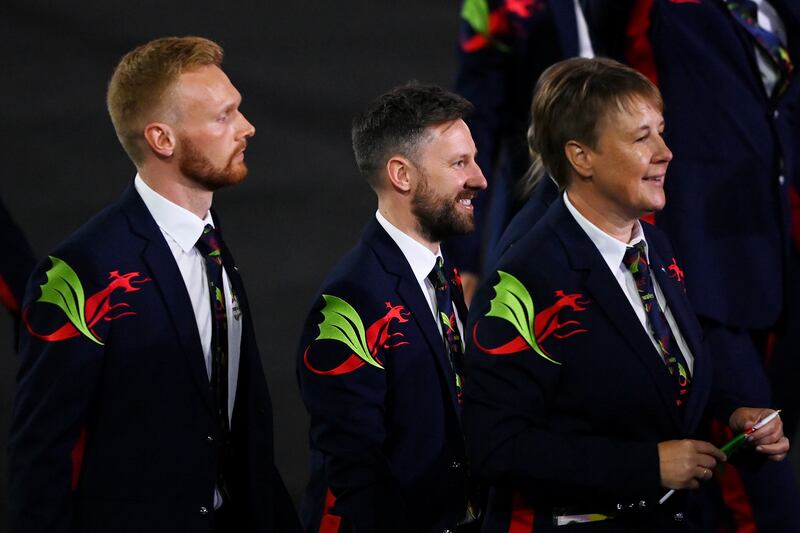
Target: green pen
732,445
736,442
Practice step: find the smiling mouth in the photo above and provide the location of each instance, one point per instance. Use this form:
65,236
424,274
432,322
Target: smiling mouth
655,179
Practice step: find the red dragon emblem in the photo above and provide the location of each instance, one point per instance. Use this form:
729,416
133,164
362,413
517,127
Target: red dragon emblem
339,316
675,272
64,289
513,303
546,324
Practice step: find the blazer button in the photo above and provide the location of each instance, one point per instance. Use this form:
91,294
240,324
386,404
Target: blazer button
642,504
455,465
209,439
678,517
447,531
203,511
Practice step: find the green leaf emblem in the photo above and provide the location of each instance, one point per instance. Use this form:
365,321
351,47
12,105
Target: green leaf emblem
476,13
341,323
445,320
63,288
513,303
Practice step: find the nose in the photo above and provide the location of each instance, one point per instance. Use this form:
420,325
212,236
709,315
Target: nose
662,154
248,130
476,179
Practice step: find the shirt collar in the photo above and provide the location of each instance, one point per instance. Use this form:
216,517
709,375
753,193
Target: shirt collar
179,223
610,248
421,259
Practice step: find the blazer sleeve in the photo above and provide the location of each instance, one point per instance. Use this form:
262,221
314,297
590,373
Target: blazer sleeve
58,375
345,394
513,438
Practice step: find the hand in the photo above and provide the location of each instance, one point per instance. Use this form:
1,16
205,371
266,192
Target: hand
769,439
685,463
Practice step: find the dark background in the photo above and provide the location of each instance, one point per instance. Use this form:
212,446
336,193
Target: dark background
304,69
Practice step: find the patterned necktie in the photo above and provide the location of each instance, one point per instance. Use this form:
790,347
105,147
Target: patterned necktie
447,318
746,13
209,245
635,260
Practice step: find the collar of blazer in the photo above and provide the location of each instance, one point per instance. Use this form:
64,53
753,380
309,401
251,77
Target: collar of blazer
394,263
604,290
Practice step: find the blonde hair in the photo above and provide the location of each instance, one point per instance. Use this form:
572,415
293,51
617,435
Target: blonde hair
142,78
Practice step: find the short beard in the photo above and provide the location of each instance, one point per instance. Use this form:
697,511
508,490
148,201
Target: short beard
437,216
196,166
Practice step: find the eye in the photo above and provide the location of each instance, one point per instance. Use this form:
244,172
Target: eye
460,163
223,118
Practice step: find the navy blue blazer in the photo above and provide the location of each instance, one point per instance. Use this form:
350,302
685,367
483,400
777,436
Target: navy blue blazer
566,397
113,427
735,155
544,193
387,451
498,77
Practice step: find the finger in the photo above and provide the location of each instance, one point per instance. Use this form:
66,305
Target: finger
777,458
779,448
768,434
708,449
767,438
706,461
702,474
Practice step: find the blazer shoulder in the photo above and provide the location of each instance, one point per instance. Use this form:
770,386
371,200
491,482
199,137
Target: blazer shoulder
101,245
535,250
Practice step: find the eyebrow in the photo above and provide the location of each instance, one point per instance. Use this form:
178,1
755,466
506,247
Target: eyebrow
646,127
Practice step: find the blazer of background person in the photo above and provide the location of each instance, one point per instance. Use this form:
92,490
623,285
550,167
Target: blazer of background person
118,433
736,154
498,77
386,442
580,433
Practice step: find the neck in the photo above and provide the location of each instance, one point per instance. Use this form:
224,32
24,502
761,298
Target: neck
401,217
178,189
620,228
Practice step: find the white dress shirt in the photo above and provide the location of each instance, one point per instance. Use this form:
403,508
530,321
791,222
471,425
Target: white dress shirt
613,252
181,229
769,20
422,261
584,41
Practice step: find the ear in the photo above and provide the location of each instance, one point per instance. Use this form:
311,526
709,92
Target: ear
160,138
400,173
579,158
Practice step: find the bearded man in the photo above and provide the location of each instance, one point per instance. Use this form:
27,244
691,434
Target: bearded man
381,353
141,401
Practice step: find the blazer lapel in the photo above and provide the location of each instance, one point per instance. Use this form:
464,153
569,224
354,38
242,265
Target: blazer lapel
683,314
167,278
395,263
566,24
607,294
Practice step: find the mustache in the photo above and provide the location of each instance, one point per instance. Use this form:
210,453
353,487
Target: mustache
469,194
